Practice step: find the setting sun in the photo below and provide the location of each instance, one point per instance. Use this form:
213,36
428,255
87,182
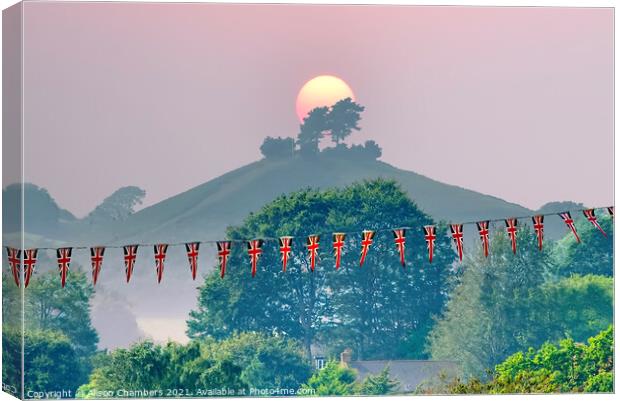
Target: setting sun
324,90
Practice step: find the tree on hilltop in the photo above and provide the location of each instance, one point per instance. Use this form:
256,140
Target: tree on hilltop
343,118
311,131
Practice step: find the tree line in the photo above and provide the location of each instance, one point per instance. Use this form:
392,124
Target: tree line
510,321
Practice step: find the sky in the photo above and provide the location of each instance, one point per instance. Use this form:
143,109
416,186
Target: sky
512,102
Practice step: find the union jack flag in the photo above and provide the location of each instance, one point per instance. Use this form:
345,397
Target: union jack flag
399,240
96,260
338,244
538,222
610,210
313,249
511,229
192,257
130,252
14,262
430,236
223,252
589,213
285,250
64,259
483,230
570,224
160,257
30,260
457,237
255,250
367,237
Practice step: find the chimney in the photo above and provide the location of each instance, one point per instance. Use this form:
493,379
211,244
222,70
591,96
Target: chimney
345,357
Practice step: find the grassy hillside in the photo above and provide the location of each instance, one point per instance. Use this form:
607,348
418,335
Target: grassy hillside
205,211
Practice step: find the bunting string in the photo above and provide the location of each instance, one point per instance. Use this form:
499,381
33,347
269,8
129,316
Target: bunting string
285,243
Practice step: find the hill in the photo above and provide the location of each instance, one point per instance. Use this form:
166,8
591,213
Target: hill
205,211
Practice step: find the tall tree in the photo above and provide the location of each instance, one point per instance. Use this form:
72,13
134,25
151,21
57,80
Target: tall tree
343,118
381,309
370,308
489,315
312,130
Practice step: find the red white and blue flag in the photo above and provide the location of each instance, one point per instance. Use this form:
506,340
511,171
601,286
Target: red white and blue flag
457,237
14,255
589,213
64,259
539,225
192,257
159,251
430,236
313,249
255,250
129,256
367,239
223,252
338,244
570,223
96,260
511,229
483,231
399,240
285,250
30,261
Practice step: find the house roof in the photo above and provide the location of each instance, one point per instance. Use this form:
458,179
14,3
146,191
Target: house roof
409,373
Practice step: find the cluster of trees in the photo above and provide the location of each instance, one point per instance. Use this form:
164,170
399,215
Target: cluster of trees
567,367
338,122
498,317
59,340
506,303
240,362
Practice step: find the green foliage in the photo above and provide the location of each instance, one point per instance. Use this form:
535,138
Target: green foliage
276,148
246,360
12,342
50,361
48,308
594,255
380,384
333,379
577,307
567,367
489,315
343,118
353,306
266,361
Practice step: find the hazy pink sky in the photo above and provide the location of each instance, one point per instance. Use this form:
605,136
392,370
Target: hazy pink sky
513,102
